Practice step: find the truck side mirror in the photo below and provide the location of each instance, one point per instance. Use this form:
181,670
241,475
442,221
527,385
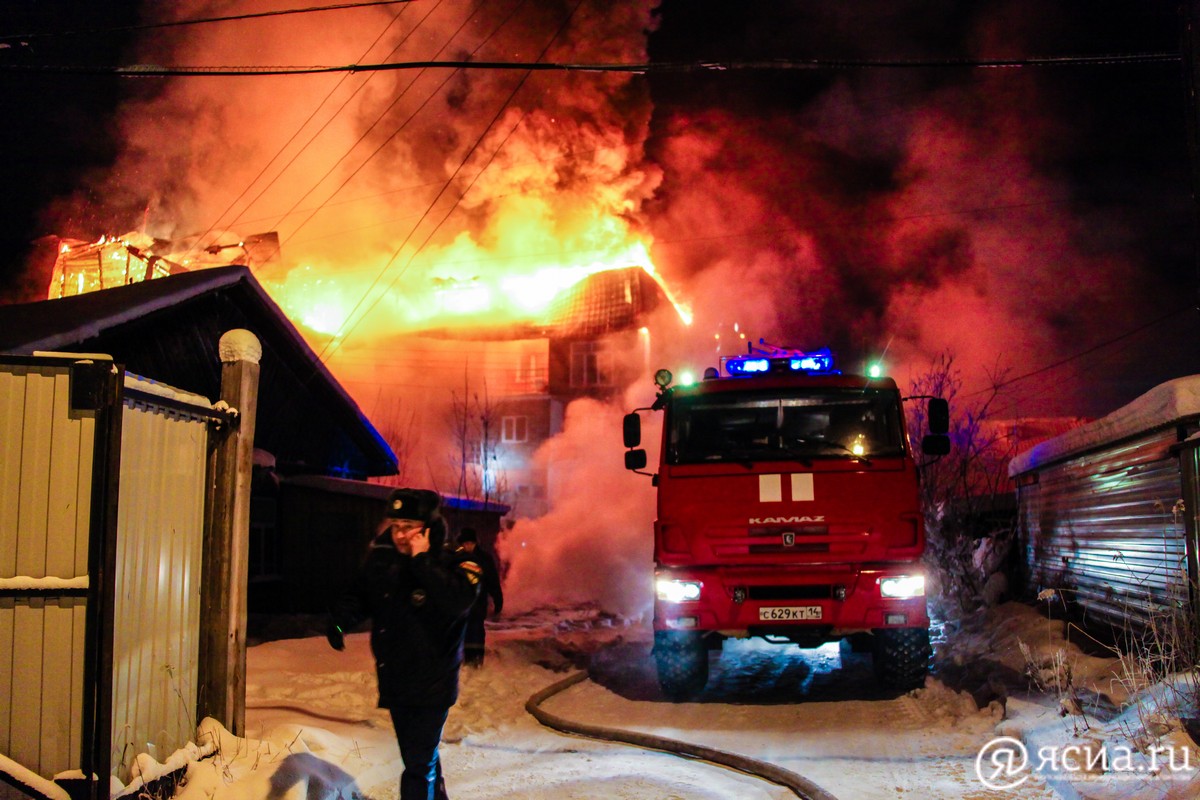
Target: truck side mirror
635,460
632,430
939,415
935,444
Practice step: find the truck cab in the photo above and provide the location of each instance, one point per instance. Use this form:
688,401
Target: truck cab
788,509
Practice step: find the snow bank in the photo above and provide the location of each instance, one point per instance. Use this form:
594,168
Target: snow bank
36,785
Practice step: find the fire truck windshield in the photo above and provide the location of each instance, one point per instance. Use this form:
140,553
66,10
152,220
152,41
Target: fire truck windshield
810,423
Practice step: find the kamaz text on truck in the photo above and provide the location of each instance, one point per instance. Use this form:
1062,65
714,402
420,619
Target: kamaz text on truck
788,509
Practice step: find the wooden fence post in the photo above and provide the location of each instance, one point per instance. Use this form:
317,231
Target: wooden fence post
222,678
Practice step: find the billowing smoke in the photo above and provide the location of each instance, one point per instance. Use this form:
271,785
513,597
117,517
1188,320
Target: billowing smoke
898,212
910,212
595,544
423,192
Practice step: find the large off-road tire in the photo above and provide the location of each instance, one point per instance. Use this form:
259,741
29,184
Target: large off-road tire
901,657
682,661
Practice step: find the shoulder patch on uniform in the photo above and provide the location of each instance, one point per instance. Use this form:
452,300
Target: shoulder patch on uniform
473,571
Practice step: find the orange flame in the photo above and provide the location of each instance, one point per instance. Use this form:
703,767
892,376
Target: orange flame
454,292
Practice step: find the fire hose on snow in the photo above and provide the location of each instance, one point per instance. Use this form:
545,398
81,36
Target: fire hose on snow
799,785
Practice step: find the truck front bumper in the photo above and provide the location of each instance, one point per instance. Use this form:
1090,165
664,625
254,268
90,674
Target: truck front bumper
745,601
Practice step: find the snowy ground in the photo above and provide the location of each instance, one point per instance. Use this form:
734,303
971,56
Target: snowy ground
315,734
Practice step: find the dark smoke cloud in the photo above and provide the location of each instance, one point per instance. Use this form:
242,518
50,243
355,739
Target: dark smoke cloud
991,213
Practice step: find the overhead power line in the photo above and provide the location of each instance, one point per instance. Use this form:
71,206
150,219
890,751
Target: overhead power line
816,64
1087,352
380,117
201,21
304,124
348,328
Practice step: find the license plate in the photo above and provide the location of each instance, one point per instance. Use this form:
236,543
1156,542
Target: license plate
789,613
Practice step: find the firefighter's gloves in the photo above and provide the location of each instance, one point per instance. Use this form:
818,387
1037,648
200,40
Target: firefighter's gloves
335,637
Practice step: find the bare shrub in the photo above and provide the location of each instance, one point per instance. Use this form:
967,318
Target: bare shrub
966,495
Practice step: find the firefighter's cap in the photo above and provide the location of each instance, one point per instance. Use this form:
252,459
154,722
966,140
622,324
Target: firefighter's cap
418,504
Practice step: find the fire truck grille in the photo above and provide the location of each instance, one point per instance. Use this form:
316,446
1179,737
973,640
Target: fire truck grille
777,531
819,591
787,540
799,547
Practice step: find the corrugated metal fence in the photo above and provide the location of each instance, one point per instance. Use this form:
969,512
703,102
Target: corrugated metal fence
1102,511
1106,529
156,618
46,463
99,596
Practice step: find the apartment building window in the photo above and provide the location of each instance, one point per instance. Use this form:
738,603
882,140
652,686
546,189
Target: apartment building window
531,372
514,429
590,365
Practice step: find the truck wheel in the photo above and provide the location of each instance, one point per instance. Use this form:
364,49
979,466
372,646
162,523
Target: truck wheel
901,657
682,661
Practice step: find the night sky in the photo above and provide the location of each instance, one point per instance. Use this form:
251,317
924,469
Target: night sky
1035,221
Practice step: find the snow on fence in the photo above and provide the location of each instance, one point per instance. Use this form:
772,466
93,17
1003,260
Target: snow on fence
1107,511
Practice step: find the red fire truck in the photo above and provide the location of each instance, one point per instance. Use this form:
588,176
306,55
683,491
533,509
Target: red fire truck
788,510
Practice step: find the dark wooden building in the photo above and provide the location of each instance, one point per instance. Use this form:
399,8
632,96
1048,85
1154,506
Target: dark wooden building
329,523
168,328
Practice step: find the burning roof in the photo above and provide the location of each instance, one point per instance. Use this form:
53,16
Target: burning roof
112,261
604,303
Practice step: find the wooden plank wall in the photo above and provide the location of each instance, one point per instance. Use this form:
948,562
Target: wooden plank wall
160,528
45,486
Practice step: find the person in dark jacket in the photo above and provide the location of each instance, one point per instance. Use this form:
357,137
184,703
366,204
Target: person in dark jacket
468,547
418,599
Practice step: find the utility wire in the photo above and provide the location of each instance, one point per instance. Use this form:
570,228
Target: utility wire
202,21
342,334
1088,351
340,108
815,64
379,119
449,41
293,137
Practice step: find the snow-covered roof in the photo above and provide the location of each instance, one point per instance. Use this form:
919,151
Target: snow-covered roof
1163,405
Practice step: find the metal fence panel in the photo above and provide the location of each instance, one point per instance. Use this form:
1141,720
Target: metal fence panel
1105,528
160,526
45,485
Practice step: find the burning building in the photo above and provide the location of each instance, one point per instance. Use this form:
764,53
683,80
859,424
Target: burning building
112,261
509,384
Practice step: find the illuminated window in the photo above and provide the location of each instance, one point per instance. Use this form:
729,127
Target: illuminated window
514,429
531,371
591,365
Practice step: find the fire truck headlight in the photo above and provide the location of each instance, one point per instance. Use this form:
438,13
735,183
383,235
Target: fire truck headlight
672,591
902,586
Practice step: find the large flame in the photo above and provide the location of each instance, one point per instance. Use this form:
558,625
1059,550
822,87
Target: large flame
463,287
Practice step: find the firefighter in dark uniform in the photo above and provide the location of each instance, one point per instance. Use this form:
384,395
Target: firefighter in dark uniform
418,599
468,547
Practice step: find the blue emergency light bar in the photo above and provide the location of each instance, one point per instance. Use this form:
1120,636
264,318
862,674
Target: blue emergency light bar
818,362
